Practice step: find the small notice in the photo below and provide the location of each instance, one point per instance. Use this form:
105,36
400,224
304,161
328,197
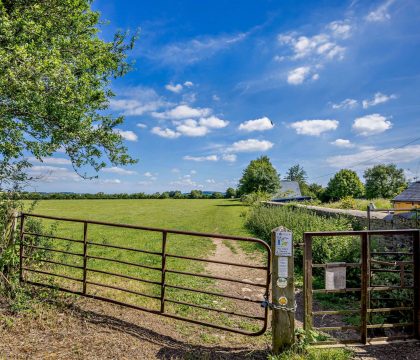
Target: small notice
283,267
283,243
282,283
283,301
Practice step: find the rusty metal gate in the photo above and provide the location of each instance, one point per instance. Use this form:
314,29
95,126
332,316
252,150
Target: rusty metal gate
380,292
81,253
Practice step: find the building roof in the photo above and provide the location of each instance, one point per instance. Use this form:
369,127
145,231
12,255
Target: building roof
289,190
411,194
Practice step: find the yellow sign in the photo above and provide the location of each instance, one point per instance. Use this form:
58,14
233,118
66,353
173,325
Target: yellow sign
283,301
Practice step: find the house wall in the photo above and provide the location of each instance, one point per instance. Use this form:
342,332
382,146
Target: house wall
406,205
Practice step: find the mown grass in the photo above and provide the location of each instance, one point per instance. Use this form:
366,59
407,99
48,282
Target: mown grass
212,216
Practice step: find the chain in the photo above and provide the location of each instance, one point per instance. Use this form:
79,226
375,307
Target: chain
265,303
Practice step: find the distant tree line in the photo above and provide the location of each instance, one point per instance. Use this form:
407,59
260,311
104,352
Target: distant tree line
260,181
194,194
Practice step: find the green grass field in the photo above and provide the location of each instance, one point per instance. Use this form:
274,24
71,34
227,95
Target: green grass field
213,216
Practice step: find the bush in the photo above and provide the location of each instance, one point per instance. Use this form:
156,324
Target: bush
262,219
255,198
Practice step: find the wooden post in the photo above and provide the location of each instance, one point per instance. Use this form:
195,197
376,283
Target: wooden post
307,282
283,290
364,286
85,258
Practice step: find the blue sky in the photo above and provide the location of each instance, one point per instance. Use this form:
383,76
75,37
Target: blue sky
326,84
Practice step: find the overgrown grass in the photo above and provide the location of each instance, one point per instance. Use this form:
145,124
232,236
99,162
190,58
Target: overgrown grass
355,204
262,219
316,354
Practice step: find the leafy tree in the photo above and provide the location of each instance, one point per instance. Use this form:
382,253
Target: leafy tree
196,194
296,173
344,183
259,175
384,181
217,195
230,193
315,191
54,84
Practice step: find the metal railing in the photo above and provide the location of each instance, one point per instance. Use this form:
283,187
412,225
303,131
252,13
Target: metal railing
365,290
87,257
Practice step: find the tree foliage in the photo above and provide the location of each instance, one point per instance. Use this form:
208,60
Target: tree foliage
296,173
384,181
344,183
259,175
54,84
230,193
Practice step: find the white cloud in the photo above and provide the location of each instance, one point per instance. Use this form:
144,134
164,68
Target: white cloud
191,127
378,98
213,122
371,157
174,88
201,158
299,75
229,157
380,13
343,143
371,124
215,97
261,124
340,29
345,104
127,134
49,174
210,181
141,125
148,174
118,170
51,161
314,127
189,52
188,84
166,133
193,172
183,112
250,145
175,170
138,101
111,181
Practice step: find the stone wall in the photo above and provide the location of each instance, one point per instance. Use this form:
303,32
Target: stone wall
378,221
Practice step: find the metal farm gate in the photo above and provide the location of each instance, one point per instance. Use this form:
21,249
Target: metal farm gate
379,292
84,262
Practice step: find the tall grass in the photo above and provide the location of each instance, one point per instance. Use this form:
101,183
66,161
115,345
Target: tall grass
262,220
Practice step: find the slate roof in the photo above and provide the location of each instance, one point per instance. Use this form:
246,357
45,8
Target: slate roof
411,194
289,190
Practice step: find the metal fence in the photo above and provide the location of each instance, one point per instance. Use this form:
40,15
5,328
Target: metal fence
81,285
402,260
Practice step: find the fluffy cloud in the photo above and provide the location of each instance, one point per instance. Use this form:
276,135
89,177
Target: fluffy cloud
188,84
340,29
49,174
174,88
299,75
250,145
345,104
213,122
182,112
371,157
314,127
138,101
261,124
111,181
378,98
371,124
229,157
191,127
141,125
166,133
380,13
118,170
343,143
127,134
201,158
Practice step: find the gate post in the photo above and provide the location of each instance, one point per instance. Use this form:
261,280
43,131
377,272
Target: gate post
283,289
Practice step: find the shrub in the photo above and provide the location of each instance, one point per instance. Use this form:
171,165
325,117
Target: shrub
262,219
